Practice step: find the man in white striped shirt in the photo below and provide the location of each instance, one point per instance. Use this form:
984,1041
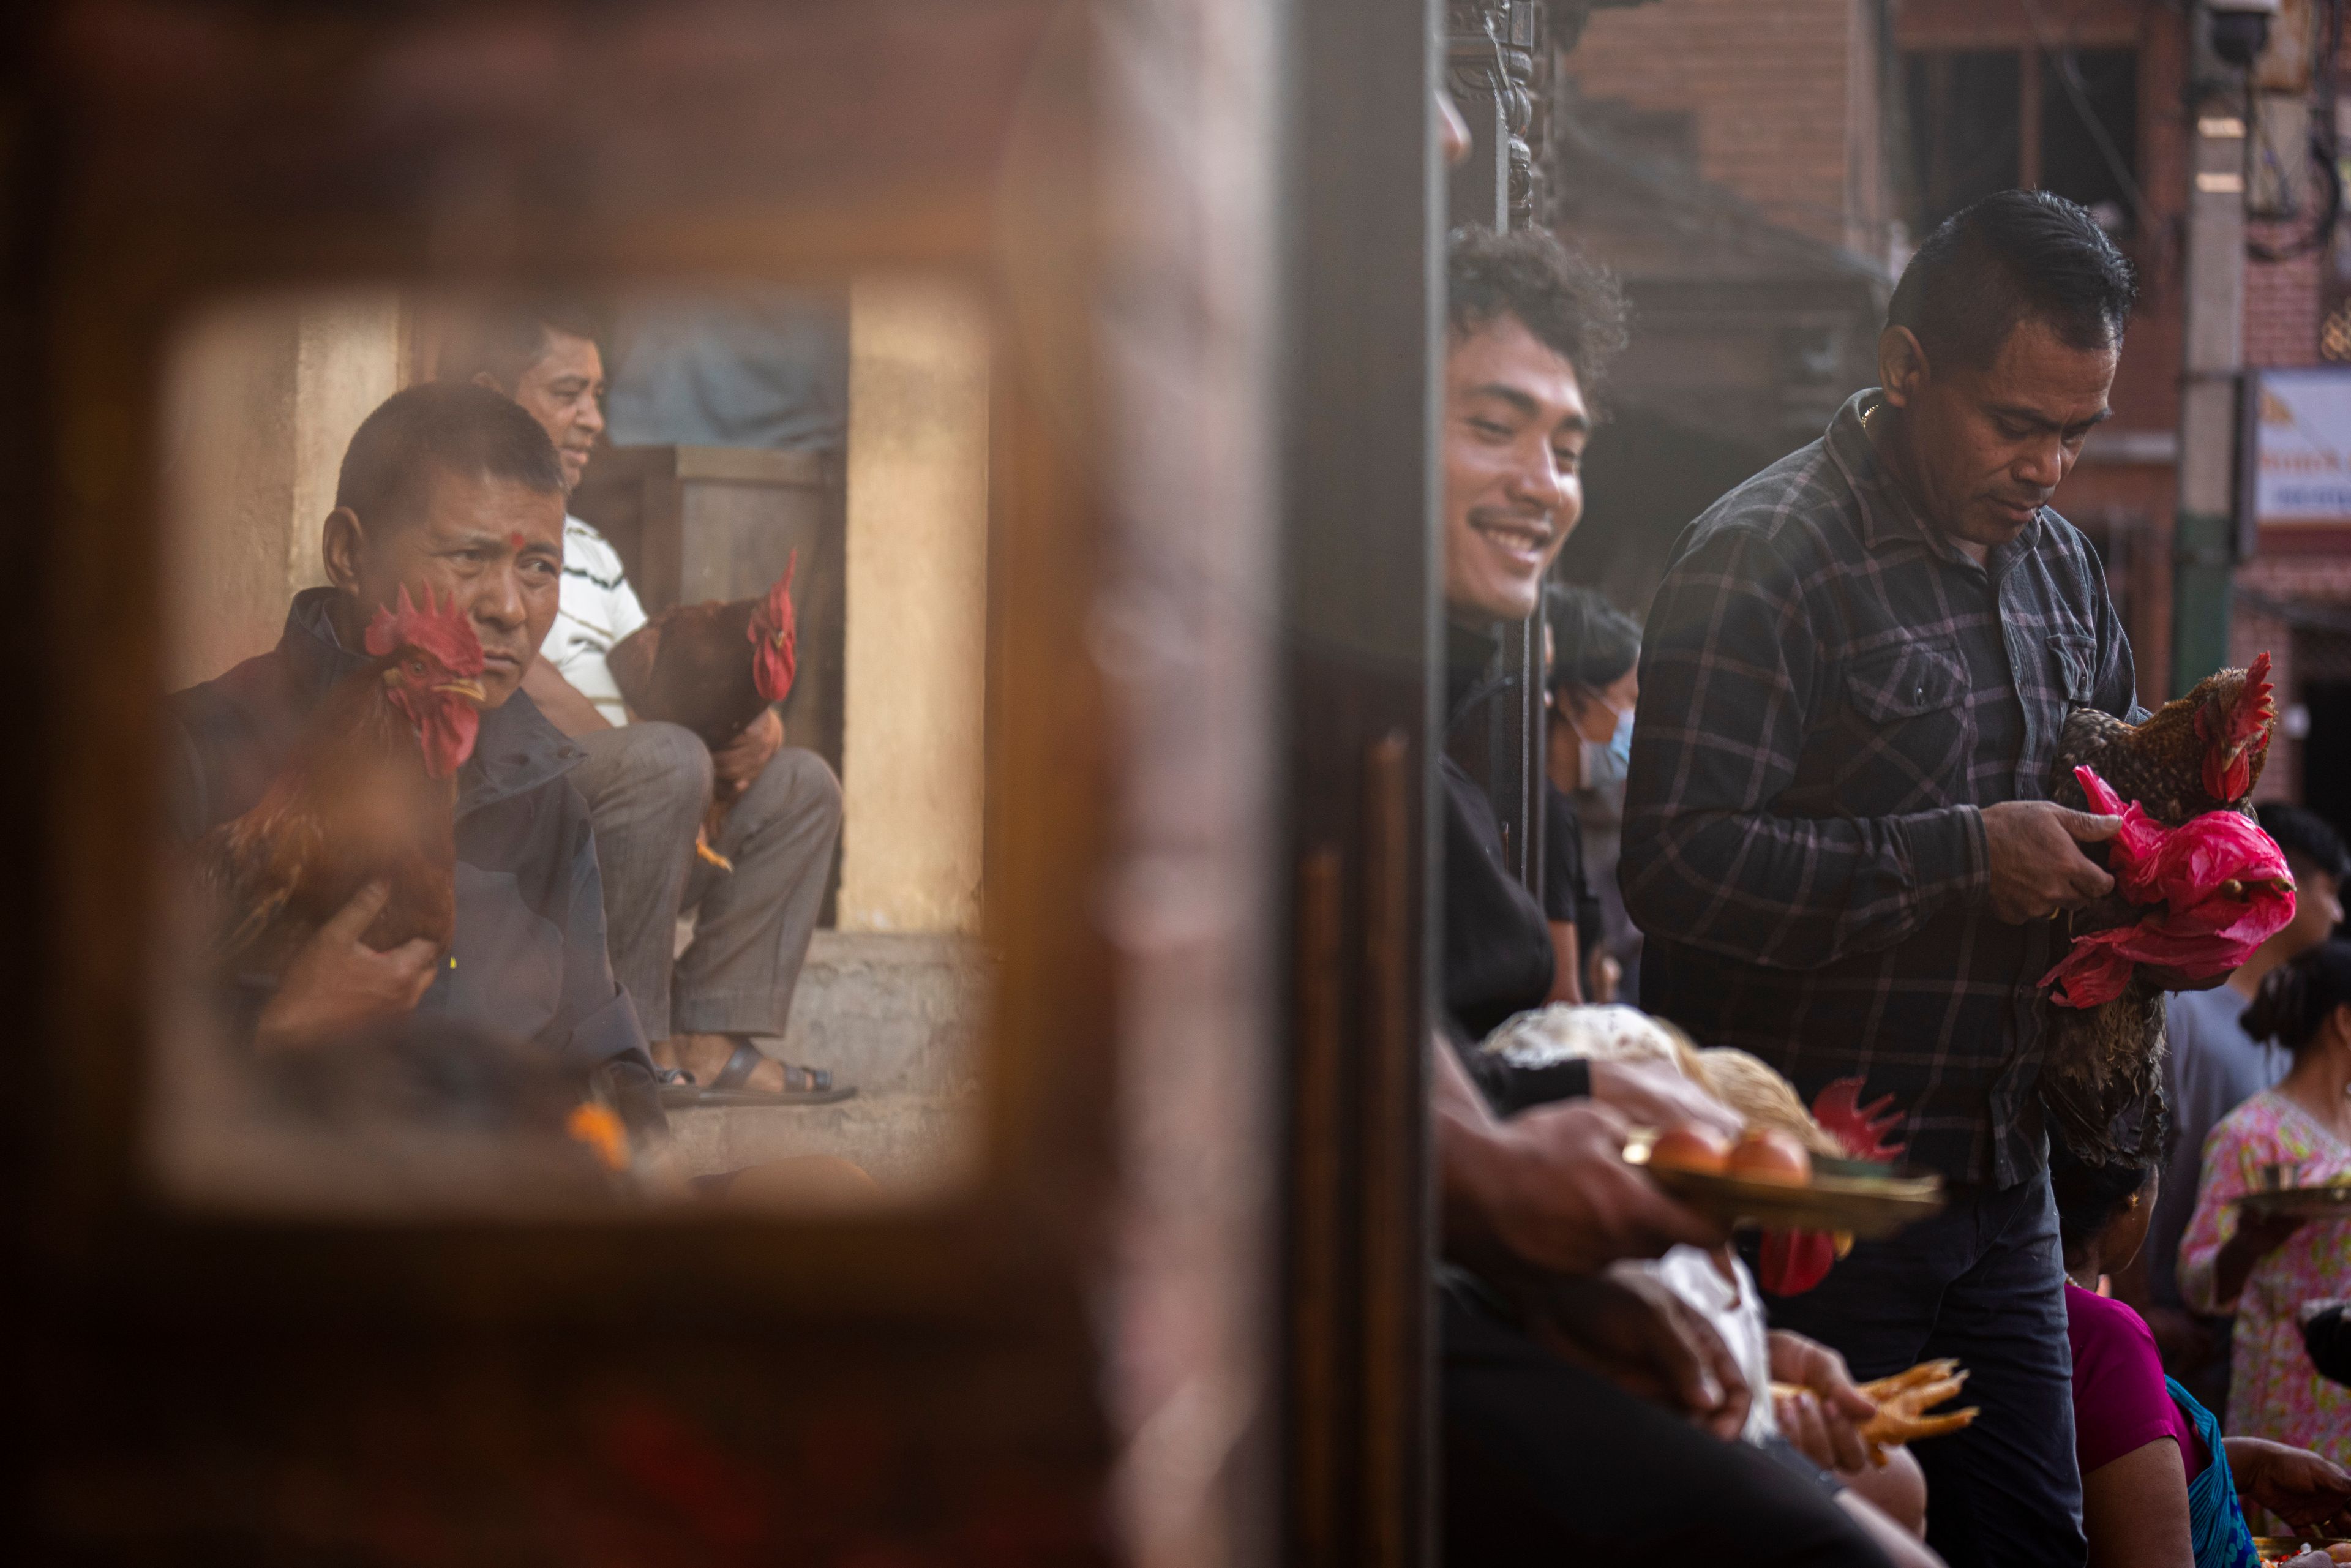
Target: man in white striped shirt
705,1010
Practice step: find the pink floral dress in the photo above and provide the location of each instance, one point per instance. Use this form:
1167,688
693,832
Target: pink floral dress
2273,1391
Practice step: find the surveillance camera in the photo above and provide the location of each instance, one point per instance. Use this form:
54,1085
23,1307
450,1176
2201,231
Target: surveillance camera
2241,29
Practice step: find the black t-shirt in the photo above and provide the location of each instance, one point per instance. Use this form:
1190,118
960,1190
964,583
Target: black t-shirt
1566,895
1497,953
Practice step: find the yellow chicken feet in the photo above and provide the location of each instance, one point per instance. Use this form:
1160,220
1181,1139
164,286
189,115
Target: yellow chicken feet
706,835
1902,1401
702,848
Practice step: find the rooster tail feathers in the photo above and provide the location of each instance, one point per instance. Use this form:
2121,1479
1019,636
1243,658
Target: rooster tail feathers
2102,1083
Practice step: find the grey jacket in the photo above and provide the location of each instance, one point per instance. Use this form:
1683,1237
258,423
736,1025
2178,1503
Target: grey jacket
529,953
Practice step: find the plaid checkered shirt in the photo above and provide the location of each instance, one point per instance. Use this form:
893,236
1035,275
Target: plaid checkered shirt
1829,693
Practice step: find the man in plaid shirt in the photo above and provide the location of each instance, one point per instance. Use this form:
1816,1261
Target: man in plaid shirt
1836,838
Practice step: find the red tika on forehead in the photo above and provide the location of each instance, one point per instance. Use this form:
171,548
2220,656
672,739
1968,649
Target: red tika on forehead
440,631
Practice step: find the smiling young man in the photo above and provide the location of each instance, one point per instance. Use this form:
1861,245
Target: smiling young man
648,784
1587,1416
453,490
1836,836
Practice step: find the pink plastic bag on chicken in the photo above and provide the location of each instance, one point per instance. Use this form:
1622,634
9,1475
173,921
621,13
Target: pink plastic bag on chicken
2219,885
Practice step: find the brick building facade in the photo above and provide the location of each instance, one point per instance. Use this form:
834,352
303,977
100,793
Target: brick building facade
1822,119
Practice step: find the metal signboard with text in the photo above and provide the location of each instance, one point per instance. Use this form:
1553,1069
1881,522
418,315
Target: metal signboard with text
2301,447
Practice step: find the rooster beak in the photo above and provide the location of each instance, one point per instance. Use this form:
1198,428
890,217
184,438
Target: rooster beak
470,690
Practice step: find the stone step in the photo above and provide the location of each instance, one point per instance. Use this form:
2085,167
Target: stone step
915,1147
898,1016
889,1012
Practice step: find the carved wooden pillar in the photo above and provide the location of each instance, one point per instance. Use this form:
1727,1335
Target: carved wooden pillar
1493,49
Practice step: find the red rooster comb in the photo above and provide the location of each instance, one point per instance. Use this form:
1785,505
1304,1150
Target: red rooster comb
2256,703
1861,1128
440,630
2232,756
776,608
774,633
1794,1262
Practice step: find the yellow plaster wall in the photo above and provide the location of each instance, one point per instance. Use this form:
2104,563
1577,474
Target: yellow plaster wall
260,399
915,635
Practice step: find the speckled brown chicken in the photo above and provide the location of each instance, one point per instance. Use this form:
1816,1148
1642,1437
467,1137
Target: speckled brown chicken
2102,1076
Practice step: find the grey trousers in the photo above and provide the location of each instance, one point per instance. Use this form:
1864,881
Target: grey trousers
647,786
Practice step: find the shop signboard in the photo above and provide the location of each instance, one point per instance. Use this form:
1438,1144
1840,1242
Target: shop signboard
2301,447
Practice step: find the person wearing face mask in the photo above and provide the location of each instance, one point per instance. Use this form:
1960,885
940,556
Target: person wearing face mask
1593,687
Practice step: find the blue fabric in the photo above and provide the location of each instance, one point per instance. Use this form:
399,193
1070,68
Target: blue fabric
2215,1522
765,367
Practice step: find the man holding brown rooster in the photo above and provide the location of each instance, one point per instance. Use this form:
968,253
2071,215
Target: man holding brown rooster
384,816
1840,836
756,880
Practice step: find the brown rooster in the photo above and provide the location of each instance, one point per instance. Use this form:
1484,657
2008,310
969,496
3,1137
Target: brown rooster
2102,1079
687,667
370,795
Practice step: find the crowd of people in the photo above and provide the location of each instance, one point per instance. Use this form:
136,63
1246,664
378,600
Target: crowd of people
1820,768
1798,810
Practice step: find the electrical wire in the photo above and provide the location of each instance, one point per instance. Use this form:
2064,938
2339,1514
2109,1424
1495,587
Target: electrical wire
2324,148
2069,74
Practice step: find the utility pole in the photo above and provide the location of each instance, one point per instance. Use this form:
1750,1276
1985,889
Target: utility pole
2204,525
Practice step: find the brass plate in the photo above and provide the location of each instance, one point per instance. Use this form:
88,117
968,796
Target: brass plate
1871,1208
2266,1547
2332,1201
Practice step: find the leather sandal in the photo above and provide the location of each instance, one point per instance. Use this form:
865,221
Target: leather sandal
802,1085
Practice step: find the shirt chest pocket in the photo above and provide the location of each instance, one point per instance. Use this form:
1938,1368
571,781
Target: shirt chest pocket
1910,732
1905,680
2073,659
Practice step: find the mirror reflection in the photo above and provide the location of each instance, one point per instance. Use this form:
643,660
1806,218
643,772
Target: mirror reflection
575,744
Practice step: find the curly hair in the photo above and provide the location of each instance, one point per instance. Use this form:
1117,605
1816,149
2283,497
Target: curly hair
1571,304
